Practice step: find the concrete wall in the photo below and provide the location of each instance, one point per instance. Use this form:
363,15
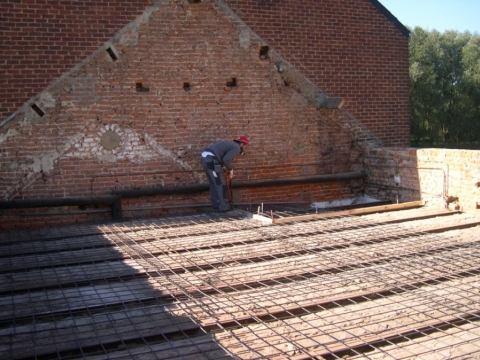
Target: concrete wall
138,112
442,178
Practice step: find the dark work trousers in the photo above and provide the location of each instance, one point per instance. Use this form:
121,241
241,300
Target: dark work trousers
216,179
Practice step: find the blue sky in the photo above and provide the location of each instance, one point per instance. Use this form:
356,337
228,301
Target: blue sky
441,15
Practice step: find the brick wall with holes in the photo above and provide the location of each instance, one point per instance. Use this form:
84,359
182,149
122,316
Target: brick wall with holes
441,178
349,49
41,40
137,112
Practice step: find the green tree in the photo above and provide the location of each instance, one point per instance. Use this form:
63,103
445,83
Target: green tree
471,89
424,92
444,87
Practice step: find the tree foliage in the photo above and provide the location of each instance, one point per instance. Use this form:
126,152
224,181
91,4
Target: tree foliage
444,88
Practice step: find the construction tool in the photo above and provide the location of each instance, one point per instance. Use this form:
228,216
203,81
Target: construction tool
228,182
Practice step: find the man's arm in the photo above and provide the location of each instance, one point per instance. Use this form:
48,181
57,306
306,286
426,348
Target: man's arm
229,156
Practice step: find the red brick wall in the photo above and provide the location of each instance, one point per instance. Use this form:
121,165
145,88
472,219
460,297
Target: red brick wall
160,132
349,49
43,39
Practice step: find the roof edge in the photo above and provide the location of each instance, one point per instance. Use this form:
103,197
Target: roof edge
390,17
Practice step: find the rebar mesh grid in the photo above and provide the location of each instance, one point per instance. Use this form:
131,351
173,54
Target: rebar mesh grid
390,286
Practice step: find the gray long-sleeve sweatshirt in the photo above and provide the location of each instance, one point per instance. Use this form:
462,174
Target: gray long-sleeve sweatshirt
225,152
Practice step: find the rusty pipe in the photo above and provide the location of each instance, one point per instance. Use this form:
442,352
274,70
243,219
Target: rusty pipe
191,189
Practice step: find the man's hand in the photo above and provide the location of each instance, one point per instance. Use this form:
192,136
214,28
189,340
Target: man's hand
230,174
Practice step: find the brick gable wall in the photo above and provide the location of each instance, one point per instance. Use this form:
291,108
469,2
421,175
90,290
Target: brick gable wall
346,47
137,113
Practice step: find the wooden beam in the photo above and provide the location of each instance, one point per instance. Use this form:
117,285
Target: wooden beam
361,211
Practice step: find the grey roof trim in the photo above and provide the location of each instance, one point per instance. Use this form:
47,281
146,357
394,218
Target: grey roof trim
390,17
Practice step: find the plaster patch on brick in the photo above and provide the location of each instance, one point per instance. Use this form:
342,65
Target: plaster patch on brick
109,158
110,140
46,100
244,38
84,90
9,134
289,73
42,101
298,149
359,132
246,34
46,163
128,36
297,100
169,154
131,146
41,165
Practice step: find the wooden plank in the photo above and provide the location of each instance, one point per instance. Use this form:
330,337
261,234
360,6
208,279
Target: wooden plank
83,326
301,298
48,234
303,267
361,211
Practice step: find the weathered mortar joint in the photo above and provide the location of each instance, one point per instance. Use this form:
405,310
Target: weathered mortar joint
37,109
